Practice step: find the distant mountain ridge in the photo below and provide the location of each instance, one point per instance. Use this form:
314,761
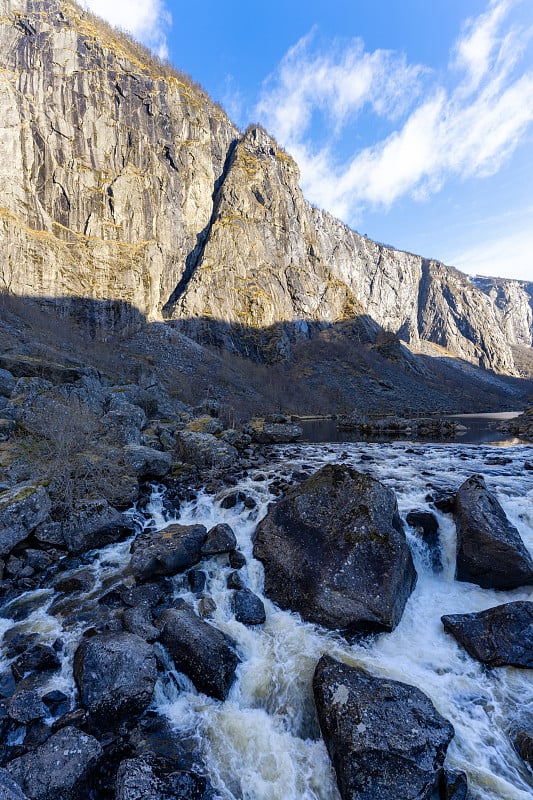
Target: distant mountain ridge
121,180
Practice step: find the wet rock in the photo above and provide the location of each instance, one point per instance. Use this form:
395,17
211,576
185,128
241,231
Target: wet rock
200,651
196,578
79,718
146,462
443,500
237,560
60,769
139,621
9,789
500,636
524,745
490,551
334,550
115,674
235,580
37,658
22,509
220,539
528,465
81,581
136,780
453,785
168,551
204,450
36,734
26,706
426,525
57,702
206,607
232,499
94,524
248,608
386,740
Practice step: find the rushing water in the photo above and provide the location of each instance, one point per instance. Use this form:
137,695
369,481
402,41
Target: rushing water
263,742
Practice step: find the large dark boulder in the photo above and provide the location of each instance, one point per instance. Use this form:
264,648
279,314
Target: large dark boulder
500,636
490,551
60,769
93,524
115,674
168,551
199,650
9,790
386,740
334,550
22,509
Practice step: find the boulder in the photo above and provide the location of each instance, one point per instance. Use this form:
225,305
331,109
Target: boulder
334,550
22,509
94,524
168,551
500,636
139,621
147,462
26,706
220,539
7,382
115,674
60,769
37,658
136,780
386,740
490,551
248,608
453,785
9,790
199,650
204,450
263,431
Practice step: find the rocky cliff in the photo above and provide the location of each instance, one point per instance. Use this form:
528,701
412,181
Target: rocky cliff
513,303
121,180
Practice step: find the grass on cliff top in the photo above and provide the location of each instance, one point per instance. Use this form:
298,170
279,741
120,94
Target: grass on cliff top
142,58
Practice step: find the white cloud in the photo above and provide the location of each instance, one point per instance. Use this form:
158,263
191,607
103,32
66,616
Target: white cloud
146,20
467,128
509,255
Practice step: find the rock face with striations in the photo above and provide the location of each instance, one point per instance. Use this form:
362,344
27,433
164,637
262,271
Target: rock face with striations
121,181
334,550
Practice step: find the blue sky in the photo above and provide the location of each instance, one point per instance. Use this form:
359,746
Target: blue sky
411,120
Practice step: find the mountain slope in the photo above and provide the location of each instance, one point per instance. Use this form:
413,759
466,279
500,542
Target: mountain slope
120,180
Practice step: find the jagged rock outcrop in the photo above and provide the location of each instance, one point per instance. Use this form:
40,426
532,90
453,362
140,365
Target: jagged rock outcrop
122,181
514,303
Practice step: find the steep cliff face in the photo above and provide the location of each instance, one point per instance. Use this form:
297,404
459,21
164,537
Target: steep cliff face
121,180
513,302
107,164
261,265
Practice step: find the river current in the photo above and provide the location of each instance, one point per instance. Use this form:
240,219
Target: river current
263,743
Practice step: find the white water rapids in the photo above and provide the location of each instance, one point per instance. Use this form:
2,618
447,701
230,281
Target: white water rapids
263,742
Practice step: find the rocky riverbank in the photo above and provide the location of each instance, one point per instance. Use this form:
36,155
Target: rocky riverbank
119,610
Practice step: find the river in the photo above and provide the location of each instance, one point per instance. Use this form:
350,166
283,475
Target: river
263,742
